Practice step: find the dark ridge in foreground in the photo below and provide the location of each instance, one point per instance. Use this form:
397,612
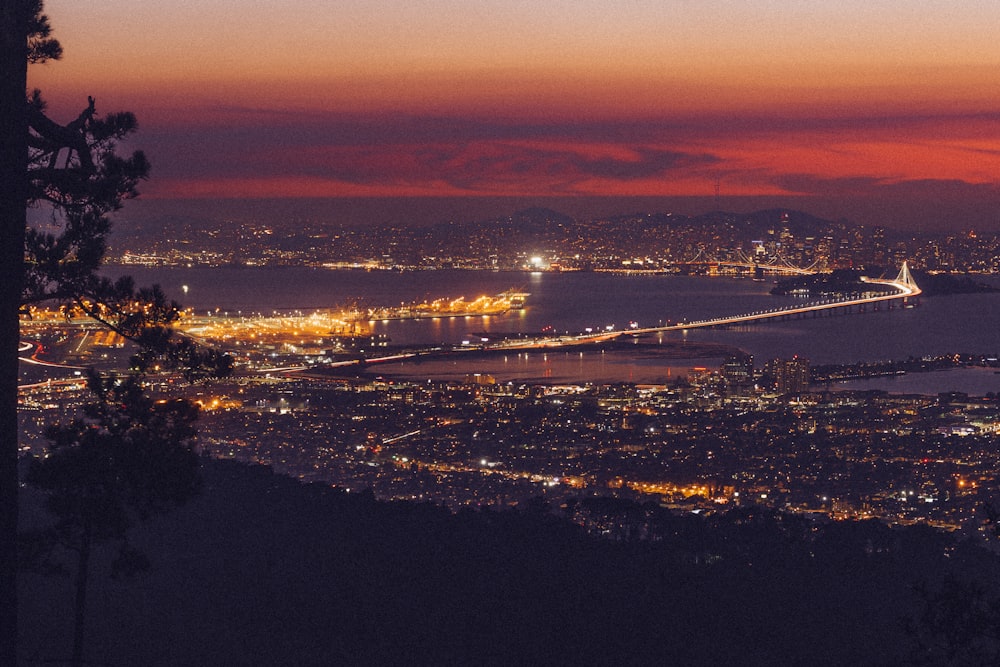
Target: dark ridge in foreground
262,570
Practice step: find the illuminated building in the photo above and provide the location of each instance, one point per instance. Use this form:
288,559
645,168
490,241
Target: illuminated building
791,376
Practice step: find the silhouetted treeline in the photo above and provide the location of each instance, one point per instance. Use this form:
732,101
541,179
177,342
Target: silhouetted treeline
264,570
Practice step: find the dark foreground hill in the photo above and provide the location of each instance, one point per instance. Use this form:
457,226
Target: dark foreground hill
261,570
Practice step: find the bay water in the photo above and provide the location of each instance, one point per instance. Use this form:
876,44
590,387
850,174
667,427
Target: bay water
575,301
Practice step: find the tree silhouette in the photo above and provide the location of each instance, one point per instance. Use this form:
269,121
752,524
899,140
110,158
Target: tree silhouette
959,624
128,458
75,174
22,27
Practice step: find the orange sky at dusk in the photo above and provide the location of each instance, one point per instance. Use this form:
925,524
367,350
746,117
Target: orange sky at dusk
878,101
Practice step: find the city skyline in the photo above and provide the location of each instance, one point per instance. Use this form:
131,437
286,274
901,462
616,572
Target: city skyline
883,113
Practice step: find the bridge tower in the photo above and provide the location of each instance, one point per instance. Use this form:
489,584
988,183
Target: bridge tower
906,278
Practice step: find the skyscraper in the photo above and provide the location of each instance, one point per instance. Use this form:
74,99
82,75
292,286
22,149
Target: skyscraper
737,371
791,376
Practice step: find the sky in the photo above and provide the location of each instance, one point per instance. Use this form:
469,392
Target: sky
885,112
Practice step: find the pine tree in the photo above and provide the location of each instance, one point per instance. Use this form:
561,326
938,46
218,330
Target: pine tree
73,172
126,459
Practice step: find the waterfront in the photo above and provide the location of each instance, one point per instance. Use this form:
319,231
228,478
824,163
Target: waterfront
575,301
972,381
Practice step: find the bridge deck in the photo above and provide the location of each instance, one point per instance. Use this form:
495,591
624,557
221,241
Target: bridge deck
905,291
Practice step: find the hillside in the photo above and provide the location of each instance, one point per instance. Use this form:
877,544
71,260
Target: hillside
262,570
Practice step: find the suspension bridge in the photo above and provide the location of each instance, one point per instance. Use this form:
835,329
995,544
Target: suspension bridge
903,287
888,293
772,265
